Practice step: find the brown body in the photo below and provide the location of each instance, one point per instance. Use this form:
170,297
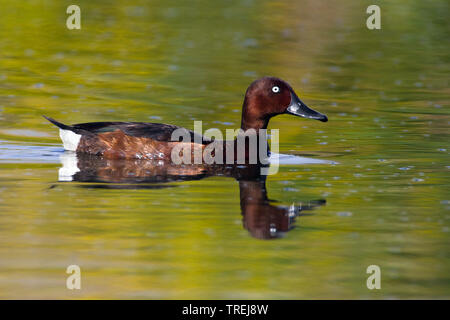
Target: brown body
118,145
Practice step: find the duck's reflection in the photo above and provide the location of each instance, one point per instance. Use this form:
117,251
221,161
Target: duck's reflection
262,219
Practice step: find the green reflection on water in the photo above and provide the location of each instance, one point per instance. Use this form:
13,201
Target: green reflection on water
385,93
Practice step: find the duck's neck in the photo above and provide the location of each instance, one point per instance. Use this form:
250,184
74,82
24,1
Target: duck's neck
256,124
249,123
251,119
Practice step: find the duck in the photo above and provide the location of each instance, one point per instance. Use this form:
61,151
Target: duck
265,98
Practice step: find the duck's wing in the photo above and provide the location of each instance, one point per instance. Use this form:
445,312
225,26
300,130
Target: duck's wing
155,131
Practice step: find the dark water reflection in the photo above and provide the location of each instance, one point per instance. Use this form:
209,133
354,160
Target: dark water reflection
173,237
261,217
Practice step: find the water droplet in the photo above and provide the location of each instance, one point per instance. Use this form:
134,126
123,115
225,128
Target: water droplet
38,85
63,69
334,69
344,214
250,43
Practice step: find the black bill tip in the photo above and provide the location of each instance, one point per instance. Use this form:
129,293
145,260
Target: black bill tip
298,108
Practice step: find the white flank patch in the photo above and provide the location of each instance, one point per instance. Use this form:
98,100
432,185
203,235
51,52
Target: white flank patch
70,139
69,167
287,159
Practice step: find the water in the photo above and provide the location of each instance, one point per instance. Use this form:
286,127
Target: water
379,193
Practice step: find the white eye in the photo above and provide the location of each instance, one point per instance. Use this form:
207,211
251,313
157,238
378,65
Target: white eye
275,89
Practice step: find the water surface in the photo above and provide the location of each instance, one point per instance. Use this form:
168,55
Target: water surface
383,200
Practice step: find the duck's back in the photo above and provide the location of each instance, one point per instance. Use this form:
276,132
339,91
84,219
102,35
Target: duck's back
155,131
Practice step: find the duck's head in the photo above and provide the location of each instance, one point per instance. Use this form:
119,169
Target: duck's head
270,96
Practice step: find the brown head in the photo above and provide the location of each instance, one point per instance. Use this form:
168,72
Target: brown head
270,96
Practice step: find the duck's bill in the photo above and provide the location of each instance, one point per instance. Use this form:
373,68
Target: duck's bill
298,108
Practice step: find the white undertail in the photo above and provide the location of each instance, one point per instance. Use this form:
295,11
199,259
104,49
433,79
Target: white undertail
70,139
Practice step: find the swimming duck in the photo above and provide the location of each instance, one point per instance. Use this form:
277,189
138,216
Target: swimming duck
264,99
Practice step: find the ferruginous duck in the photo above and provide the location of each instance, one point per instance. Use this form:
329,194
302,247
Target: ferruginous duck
264,99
